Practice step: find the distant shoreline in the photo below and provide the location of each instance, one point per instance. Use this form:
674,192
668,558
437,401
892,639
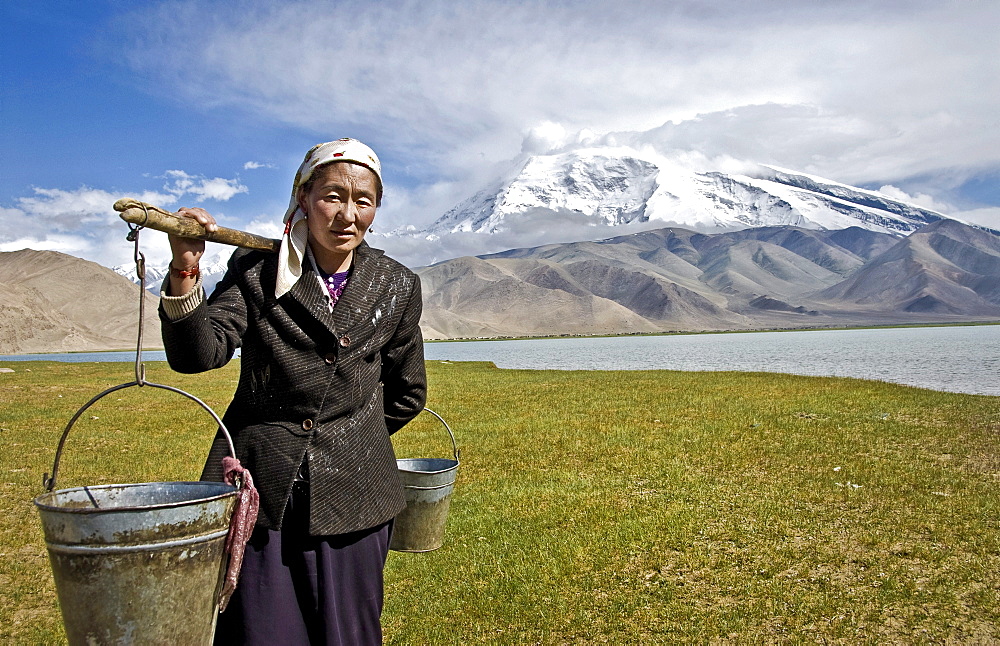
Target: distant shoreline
887,326
699,332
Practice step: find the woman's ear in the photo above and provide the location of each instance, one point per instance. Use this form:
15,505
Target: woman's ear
301,199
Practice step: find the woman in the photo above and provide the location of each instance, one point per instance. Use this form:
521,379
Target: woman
331,364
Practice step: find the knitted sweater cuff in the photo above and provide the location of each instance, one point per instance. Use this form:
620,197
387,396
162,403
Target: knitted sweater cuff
177,307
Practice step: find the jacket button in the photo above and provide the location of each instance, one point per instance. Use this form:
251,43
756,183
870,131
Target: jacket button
330,358
345,341
307,424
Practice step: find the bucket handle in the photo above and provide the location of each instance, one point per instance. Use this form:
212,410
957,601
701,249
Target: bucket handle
50,483
454,446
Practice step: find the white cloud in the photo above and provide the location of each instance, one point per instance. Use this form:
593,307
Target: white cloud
417,207
872,93
82,222
544,138
987,217
919,199
269,226
852,90
202,188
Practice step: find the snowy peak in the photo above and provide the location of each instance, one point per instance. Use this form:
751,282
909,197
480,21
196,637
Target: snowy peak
621,185
611,187
737,200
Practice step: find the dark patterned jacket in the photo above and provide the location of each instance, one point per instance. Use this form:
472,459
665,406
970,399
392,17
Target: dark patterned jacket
315,386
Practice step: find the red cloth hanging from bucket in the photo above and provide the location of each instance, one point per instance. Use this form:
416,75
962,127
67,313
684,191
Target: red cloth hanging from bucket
241,525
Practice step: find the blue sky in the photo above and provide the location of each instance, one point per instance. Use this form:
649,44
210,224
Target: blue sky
205,103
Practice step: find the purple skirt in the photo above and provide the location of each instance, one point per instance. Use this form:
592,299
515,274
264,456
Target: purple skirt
301,589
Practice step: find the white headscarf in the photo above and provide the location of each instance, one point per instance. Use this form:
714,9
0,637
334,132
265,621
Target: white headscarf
296,236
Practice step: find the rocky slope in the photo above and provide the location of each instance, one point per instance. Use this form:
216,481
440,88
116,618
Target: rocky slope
677,279
53,302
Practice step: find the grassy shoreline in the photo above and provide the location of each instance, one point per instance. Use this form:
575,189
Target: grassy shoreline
603,507
888,326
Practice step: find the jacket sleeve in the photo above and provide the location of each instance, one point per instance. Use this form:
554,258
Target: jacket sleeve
208,337
404,377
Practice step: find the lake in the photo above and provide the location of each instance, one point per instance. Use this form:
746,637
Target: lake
963,359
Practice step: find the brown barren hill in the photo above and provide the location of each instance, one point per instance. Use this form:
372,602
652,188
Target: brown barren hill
672,279
53,302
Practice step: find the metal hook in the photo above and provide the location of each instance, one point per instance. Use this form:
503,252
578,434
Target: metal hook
133,231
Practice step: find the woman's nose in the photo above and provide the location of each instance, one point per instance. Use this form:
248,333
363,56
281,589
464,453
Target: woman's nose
348,212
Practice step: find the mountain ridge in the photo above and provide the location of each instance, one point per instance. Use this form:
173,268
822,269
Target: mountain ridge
673,279
660,280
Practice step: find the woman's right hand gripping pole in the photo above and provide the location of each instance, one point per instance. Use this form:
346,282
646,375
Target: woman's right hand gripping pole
187,252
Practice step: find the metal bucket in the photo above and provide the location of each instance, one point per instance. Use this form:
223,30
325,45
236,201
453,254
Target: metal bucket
427,485
138,563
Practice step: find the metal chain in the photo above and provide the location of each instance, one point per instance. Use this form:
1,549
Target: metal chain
140,272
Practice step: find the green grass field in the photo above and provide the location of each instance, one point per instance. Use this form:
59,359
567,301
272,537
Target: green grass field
602,507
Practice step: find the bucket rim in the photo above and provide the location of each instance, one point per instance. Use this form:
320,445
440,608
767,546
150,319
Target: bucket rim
454,465
164,505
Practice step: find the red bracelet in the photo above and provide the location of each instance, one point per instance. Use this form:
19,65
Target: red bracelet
190,273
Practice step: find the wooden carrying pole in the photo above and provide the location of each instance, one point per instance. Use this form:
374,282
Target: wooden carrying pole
153,217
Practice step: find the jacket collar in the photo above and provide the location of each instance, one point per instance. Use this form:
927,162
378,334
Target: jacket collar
354,302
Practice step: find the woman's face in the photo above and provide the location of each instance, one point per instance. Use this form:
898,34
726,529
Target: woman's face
340,206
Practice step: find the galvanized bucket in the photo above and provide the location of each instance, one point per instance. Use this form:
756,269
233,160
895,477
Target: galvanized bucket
427,484
137,563
142,566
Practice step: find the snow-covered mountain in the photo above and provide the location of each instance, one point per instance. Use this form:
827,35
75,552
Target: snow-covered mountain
623,185
213,268
592,192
